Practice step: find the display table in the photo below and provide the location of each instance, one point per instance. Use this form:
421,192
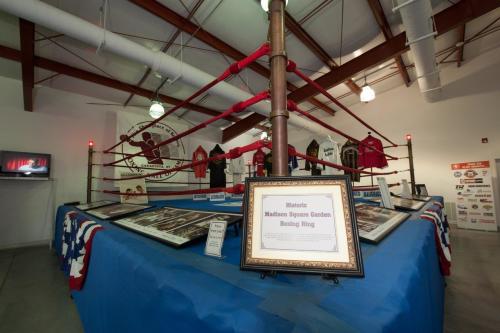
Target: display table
135,284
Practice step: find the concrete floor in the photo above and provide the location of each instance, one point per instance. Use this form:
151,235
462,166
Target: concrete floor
34,295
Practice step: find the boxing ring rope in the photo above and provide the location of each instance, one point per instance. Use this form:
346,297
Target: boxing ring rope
233,69
292,67
292,106
232,154
238,107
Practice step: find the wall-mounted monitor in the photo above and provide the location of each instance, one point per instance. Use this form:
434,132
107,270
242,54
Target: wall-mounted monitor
22,164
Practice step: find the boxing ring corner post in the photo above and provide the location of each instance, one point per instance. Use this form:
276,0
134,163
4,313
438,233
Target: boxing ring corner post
410,160
89,171
279,112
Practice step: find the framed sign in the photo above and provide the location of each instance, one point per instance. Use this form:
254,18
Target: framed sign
115,211
175,226
421,189
301,224
415,197
402,203
374,223
95,204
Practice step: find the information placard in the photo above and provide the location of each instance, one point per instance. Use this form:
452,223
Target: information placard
406,192
300,224
219,196
200,197
385,194
215,239
475,199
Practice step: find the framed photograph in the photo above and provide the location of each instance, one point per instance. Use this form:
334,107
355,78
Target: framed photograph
421,189
95,204
301,224
175,226
115,211
415,197
402,203
375,223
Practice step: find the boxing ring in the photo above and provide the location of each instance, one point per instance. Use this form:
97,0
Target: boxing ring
136,284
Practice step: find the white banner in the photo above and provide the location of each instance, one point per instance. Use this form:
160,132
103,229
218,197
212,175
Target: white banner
161,158
475,199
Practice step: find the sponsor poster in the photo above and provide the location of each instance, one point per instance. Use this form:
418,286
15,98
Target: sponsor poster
161,158
475,200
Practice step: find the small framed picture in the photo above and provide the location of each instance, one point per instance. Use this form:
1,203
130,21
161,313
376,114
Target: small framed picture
421,190
301,224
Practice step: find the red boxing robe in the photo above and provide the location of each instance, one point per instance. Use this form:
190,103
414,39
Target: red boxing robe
200,170
368,157
258,160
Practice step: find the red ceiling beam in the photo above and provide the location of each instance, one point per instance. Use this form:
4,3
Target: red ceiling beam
378,13
27,36
446,20
315,48
242,126
178,21
54,66
460,44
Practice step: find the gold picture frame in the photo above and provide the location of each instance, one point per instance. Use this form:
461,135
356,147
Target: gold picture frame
300,224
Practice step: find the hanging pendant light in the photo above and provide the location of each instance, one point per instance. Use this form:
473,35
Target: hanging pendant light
156,110
367,93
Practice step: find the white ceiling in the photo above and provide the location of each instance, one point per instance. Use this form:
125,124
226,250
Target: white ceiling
241,24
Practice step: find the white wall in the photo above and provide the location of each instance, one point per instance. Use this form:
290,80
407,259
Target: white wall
444,132
61,125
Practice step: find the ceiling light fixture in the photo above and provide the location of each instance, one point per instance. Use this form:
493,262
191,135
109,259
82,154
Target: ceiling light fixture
156,110
265,4
367,93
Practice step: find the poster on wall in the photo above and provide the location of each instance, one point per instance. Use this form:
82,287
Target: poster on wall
133,191
475,199
161,158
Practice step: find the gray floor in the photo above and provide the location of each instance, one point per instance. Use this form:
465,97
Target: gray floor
34,294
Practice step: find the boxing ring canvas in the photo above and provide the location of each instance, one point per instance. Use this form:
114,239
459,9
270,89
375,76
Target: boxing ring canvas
135,284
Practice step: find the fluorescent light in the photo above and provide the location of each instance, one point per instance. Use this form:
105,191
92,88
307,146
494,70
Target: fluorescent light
367,94
156,110
357,53
265,4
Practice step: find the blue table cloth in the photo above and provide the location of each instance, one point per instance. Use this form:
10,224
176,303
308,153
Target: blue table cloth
135,284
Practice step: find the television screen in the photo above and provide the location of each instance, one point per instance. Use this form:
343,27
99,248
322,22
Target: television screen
25,163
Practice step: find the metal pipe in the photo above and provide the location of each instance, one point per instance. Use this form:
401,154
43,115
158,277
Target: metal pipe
89,173
279,112
57,20
412,168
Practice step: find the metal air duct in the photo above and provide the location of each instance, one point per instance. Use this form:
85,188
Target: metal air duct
60,21
419,26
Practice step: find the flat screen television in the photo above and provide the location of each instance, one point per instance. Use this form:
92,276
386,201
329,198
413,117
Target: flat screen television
22,164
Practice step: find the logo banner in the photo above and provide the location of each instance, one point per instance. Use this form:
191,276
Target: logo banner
161,158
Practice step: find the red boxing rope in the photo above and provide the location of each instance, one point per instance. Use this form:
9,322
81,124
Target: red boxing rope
238,107
232,154
235,68
292,67
237,189
292,106
293,152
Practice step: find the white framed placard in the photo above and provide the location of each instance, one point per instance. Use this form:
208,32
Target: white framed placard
200,197
215,239
406,191
219,196
384,193
301,224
